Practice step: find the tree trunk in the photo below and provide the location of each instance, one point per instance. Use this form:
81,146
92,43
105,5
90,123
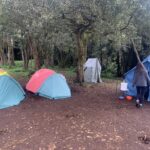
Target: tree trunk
118,64
49,58
52,58
35,53
25,57
3,57
81,59
101,57
85,43
11,61
4,51
36,58
47,61
25,52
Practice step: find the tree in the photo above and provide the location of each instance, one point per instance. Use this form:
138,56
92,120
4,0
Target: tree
57,31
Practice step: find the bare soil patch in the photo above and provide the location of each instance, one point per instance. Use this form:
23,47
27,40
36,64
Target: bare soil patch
92,119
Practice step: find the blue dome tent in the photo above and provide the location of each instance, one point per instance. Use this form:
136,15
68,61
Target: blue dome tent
49,84
55,87
129,78
11,93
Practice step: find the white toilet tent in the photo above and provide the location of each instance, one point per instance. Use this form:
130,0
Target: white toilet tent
92,70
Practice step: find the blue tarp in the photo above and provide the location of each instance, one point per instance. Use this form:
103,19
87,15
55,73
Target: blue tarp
129,78
11,93
55,87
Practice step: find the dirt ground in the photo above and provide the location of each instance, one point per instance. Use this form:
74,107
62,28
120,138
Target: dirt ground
93,119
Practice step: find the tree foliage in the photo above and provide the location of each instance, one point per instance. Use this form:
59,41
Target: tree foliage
67,32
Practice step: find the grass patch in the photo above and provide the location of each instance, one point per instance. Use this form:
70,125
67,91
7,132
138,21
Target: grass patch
17,71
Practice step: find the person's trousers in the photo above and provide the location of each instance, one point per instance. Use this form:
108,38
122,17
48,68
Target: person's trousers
146,93
141,90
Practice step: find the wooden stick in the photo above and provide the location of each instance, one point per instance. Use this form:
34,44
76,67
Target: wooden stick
136,52
137,55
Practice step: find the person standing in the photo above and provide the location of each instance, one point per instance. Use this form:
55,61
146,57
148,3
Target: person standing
140,80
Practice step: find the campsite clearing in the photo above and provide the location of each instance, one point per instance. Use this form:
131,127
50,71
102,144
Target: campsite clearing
93,119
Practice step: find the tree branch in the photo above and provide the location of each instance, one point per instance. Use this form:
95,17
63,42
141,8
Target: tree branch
129,20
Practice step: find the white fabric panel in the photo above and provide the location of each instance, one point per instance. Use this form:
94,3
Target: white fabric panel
92,70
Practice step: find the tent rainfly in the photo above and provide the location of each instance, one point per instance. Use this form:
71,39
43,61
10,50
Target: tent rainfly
92,71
